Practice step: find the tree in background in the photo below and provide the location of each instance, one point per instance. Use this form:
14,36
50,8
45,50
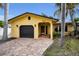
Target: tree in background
71,10
1,23
5,26
76,19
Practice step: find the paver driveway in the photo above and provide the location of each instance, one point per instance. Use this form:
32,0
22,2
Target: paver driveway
25,47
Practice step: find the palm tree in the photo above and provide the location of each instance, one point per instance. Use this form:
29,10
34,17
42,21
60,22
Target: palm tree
5,36
70,10
5,6
62,24
0,5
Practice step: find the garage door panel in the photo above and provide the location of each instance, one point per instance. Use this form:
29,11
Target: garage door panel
27,31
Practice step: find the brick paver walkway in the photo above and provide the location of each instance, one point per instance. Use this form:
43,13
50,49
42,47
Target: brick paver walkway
25,47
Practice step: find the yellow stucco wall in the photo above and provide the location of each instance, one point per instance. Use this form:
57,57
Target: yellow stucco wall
23,20
70,29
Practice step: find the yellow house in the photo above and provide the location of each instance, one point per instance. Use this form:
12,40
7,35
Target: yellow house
30,25
68,27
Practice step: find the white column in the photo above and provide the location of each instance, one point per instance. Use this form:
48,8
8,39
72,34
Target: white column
51,31
36,33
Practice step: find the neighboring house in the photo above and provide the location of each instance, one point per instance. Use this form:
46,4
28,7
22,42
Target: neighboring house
68,27
31,25
1,32
77,26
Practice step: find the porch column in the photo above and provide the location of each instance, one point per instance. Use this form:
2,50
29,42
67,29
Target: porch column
36,30
51,31
58,29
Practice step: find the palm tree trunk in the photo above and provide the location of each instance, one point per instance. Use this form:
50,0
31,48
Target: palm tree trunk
62,24
5,30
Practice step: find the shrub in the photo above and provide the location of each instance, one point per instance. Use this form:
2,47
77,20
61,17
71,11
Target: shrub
56,34
1,23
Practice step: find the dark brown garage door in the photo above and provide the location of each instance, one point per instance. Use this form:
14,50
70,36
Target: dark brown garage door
27,31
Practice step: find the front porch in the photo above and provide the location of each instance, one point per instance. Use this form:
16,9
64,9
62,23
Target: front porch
45,30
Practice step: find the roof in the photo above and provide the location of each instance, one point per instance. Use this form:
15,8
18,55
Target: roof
33,14
68,23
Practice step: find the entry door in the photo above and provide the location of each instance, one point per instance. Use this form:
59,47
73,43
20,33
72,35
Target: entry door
27,31
44,29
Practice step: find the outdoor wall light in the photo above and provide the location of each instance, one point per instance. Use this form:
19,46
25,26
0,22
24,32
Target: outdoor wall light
35,25
16,25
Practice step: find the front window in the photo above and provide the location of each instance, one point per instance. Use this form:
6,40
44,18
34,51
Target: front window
29,18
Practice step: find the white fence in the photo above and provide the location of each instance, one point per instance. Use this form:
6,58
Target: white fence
1,32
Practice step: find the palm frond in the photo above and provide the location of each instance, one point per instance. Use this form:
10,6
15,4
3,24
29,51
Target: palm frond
66,13
58,4
0,4
57,12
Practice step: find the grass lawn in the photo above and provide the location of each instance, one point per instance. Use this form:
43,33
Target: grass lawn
71,48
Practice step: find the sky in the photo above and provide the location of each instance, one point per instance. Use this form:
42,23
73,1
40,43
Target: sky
37,8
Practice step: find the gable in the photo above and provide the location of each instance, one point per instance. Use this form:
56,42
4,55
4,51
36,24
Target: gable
25,15
24,20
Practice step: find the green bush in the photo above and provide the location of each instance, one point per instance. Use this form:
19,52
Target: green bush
56,34
1,23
